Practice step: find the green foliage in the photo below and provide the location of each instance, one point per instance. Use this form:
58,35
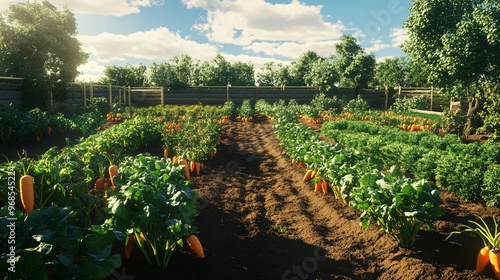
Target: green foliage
356,105
356,68
153,198
128,75
51,241
228,108
301,68
403,105
453,121
323,75
491,190
39,44
400,206
273,74
245,110
461,174
491,116
324,103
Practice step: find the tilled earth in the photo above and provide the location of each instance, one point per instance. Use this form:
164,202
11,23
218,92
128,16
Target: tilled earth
259,220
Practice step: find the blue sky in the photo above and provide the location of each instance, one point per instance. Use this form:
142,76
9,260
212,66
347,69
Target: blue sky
116,32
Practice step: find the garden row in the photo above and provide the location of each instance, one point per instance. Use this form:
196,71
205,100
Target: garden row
471,171
398,205
82,200
32,125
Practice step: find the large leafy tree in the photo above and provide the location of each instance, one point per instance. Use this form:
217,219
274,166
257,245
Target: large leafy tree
355,67
458,42
323,74
160,74
274,74
128,75
242,74
185,71
216,72
301,68
38,43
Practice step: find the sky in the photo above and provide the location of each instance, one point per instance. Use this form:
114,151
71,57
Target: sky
117,32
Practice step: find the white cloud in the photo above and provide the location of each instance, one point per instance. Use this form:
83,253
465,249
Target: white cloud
377,45
92,71
106,7
240,22
155,44
293,50
398,35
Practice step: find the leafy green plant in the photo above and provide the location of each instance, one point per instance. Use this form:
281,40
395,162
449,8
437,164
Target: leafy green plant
153,202
356,105
453,121
491,191
491,239
400,206
51,244
245,110
403,105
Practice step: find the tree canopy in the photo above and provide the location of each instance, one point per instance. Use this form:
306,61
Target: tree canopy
458,42
38,42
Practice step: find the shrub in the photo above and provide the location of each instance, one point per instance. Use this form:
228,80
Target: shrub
403,105
356,105
453,121
491,181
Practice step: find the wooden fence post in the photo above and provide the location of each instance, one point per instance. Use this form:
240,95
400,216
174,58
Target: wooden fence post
84,95
432,96
386,97
110,97
129,97
162,98
91,92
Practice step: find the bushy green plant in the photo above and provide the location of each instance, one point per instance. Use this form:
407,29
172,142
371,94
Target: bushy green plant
356,105
245,110
491,182
228,108
453,121
324,103
461,174
403,105
491,117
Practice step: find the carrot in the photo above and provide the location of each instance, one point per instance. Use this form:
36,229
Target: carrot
165,153
313,174
191,166
113,171
195,245
495,262
186,169
308,175
483,258
129,246
99,184
318,186
27,193
198,168
324,185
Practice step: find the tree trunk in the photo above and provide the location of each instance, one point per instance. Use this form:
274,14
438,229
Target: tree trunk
473,108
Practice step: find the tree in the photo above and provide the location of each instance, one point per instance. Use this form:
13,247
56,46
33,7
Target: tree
128,75
242,74
185,71
356,68
458,42
160,75
38,43
392,72
216,72
301,68
273,74
323,74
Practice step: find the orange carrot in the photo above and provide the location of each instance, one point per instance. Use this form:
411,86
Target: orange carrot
27,193
308,175
165,153
324,185
198,168
318,186
113,171
483,259
191,166
495,262
99,184
129,246
186,169
195,245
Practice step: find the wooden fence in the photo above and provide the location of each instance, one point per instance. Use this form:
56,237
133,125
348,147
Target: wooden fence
11,91
214,95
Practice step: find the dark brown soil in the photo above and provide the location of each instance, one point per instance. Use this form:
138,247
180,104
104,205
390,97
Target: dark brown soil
259,220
